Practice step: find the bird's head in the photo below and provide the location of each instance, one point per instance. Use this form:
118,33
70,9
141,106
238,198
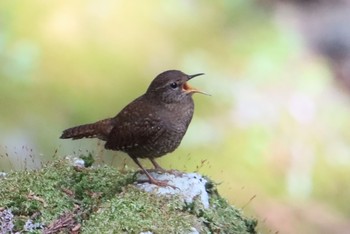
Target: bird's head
172,86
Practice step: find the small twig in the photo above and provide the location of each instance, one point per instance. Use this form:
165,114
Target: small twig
250,200
32,196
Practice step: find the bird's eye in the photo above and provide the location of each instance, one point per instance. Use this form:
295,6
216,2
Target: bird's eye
173,85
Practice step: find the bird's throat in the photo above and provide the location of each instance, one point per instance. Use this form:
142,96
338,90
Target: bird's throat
189,89
186,87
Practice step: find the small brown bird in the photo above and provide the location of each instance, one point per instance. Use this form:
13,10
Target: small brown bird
150,126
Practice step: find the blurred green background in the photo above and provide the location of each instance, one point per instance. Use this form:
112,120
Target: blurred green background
275,133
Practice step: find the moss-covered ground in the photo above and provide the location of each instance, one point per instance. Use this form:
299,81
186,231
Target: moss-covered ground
60,198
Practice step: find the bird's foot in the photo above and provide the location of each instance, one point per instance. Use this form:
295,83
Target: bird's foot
160,183
161,170
175,172
158,168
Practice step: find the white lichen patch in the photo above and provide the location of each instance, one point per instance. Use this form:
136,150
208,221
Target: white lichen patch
188,186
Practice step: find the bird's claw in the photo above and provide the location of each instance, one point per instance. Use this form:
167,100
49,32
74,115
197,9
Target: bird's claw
159,183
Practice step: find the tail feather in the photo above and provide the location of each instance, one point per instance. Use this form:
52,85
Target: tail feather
100,129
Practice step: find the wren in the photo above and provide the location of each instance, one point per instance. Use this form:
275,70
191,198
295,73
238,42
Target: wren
150,126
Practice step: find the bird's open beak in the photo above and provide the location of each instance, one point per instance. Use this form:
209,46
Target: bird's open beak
189,89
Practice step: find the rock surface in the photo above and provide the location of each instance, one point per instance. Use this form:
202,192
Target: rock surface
188,186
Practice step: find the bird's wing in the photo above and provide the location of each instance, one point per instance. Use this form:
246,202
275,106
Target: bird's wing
136,124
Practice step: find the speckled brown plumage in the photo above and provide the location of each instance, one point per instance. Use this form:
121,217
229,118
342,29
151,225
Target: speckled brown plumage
150,126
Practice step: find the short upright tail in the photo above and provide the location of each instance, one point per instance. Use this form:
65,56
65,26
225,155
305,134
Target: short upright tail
100,129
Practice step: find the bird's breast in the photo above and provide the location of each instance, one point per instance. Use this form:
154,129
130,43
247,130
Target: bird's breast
178,117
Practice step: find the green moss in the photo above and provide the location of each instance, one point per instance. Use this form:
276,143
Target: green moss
134,211
58,188
103,200
88,159
221,217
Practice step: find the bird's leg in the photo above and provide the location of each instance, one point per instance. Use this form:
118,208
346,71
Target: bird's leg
157,167
151,179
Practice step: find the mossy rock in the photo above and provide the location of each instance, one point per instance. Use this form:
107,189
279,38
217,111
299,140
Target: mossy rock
61,198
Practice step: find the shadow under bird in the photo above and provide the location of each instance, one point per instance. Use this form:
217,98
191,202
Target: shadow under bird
150,126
